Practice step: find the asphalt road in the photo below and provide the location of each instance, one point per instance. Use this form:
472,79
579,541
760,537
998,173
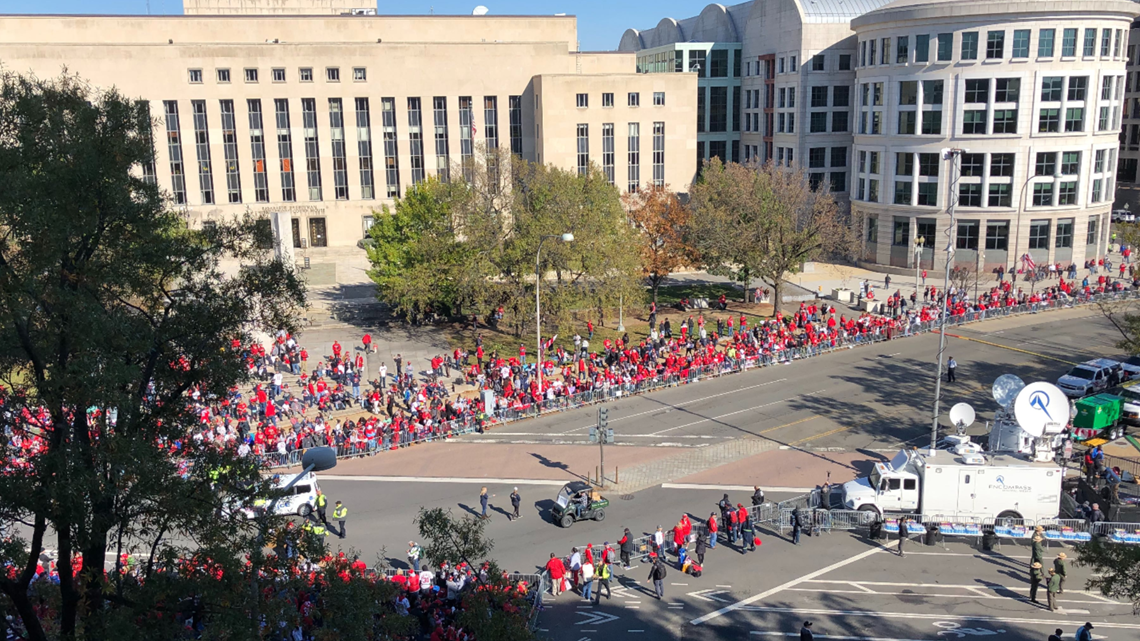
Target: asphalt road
874,397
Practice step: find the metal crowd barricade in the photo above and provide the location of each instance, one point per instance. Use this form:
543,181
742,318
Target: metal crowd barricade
1066,530
642,546
1007,528
848,520
765,513
954,526
1127,533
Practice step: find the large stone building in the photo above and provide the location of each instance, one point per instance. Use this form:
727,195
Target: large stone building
867,95
328,116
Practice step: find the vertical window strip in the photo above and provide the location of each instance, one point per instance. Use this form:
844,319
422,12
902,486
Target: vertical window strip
174,149
659,154
202,148
442,151
230,147
466,137
257,150
634,159
339,157
416,140
285,149
391,154
608,151
364,148
515,106
312,147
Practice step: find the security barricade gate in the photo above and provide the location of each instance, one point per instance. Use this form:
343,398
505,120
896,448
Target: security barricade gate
1066,530
1118,532
954,526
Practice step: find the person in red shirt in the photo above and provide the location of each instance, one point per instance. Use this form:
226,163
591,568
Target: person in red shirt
336,349
367,340
557,571
713,529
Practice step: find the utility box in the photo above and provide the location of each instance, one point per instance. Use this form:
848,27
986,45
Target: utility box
1097,412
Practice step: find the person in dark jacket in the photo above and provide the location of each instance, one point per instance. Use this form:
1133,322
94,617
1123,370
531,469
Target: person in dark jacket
702,545
903,533
1036,577
516,502
657,576
625,544
749,541
797,525
1056,636
805,632
757,496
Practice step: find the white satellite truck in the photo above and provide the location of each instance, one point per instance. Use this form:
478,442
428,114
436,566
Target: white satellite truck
1018,478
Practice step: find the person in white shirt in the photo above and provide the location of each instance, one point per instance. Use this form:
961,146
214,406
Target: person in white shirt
426,578
383,376
587,580
576,565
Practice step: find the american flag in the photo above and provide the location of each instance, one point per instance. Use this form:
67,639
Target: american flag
1027,261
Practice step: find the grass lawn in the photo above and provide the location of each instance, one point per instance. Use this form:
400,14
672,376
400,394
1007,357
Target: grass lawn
669,294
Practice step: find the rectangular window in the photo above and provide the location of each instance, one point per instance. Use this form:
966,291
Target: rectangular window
1075,119
907,121
972,164
902,49
1052,88
416,140
1050,121
491,121
1064,233
312,147
359,74
364,148
339,154
583,100
1001,165
332,74
634,158
195,76
701,93
583,149
932,92
285,149
658,98
928,164
718,109
978,91
970,45
819,96
902,192
1043,194
817,157
874,164
839,120
718,63
514,105
818,122
1005,121
1069,43
908,92
997,235
223,75
174,150
1098,166
1067,193
608,151
1007,90
876,122
257,148
1106,88
928,194
391,151
818,62
969,195
634,99
922,48
841,96
1091,236
230,148
1021,43
872,190
838,181
202,147
736,57
999,195
1039,234
1090,42
845,62
467,137
885,52
1116,43
1105,43
932,123
838,156
1046,164
872,230
659,154
278,74
697,63
305,74
1078,87
901,235
1045,43
968,232
945,47
251,75
1070,163
974,122
607,99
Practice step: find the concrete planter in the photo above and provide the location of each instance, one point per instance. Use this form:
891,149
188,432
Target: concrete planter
872,306
843,295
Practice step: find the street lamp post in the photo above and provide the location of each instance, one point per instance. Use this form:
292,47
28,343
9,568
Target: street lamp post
565,238
953,155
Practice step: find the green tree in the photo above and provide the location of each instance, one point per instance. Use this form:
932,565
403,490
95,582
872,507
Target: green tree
111,311
763,222
1115,570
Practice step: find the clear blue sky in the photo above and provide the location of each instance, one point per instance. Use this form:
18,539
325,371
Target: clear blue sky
600,22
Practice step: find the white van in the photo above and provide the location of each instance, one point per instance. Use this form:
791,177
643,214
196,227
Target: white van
301,499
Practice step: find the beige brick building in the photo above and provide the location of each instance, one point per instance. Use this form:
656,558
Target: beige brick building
329,116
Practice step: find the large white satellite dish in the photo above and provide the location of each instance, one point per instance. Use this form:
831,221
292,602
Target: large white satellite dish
1005,389
480,11
1041,407
962,416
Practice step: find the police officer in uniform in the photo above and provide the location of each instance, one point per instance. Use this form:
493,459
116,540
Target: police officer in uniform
322,507
1036,577
340,513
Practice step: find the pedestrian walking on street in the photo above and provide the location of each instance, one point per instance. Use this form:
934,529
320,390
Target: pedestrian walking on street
483,498
1061,567
414,553
713,528
749,542
626,545
516,501
657,575
797,525
587,579
805,632
1084,633
340,513
557,572
1057,634
322,507
951,370
1036,577
1054,588
603,573
902,535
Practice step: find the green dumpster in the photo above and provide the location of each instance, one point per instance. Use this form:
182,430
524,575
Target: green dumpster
1097,412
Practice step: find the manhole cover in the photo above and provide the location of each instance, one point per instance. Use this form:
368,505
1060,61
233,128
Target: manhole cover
626,497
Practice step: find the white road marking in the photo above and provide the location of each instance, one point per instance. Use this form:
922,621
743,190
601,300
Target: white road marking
724,586
440,479
593,618
735,488
493,440
676,405
709,595
791,584
938,617
944,596
979,556
747,409
635,630
685,584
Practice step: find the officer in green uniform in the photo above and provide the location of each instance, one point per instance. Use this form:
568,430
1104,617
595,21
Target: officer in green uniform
340,513
1036,577
1054,588
1061,567
1038,554
322,507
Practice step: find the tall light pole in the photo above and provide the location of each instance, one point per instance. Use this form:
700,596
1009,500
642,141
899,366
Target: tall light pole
565,238
952,155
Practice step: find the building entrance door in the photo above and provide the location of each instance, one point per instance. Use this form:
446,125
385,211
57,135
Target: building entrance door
317,236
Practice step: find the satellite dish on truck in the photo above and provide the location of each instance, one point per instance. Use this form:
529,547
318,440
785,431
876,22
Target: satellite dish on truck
1041,408
1005,389
962,416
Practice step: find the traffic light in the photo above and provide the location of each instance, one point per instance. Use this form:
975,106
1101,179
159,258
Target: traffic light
603,417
